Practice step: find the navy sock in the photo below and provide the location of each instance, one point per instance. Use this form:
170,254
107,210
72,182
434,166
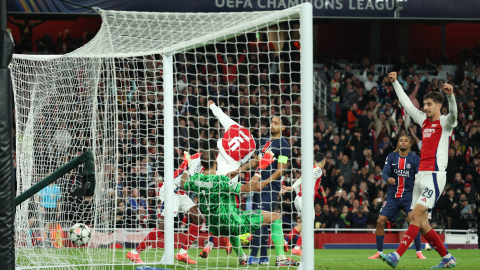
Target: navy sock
264,243
210,239
255,244
418,242
295,239
379,240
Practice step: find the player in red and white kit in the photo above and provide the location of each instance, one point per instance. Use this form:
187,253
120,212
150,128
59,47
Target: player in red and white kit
236,147
297,186
182,203
431,177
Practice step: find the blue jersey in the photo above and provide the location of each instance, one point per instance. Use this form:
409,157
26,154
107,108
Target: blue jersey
281,149
49,196
403,170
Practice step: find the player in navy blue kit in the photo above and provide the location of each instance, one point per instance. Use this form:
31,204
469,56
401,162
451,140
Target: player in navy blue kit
267,190
399,171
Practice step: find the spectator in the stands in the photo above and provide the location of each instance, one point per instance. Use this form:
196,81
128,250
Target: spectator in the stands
368,80
336,221
349,97
455,161
359,219
470,195
324,218
351,117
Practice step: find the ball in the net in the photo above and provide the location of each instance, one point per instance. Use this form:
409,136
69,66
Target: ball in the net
79,234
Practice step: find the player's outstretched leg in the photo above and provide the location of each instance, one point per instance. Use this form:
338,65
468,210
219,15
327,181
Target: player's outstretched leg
134,254
206,250
275,221
297,250
291,235
418,246
197,219
237,246
182,254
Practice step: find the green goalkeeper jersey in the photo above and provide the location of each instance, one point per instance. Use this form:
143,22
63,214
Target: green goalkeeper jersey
216,194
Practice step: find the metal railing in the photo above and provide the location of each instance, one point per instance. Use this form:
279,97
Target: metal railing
320,89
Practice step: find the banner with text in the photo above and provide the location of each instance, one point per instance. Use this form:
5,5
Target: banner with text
428,9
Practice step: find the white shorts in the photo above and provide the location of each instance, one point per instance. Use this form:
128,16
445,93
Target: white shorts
224,167
181,203
428,188
298,205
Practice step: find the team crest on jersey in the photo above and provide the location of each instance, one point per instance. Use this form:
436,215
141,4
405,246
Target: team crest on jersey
408,166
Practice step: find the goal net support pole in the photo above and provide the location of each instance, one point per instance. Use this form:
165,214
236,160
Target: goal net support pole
7,183
88,177
169,251
306,73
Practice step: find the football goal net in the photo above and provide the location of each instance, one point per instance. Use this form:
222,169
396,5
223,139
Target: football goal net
137,95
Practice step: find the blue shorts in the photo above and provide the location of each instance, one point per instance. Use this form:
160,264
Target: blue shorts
391,207
265,200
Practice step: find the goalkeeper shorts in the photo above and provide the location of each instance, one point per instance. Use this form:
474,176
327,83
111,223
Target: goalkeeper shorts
246,222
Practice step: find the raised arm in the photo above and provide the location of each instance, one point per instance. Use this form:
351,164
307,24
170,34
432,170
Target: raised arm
221,116
452,107
417,115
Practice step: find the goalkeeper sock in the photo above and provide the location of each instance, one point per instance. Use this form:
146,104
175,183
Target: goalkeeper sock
291,234
152,236
277,237
190,237
237,246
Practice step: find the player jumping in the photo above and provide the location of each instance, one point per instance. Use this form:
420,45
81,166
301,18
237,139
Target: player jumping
235,148
399,171
218,203
297,186
182,203
430,182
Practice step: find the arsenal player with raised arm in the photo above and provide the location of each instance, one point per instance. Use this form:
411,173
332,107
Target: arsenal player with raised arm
235,148
430,181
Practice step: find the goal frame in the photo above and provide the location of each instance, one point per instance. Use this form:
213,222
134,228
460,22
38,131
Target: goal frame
306,86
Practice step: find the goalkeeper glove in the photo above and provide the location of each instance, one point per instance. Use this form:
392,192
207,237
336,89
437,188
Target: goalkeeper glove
264,162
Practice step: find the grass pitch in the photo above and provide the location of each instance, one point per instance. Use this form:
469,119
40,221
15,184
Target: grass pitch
324,259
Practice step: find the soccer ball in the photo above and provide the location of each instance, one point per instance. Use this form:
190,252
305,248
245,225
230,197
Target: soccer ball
79,234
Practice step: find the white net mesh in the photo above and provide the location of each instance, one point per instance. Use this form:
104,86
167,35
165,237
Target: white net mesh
108,97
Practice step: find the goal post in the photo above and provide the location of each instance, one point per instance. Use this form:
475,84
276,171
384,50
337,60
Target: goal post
137,96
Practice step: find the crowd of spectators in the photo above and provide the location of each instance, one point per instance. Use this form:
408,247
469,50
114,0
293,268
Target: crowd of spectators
252,78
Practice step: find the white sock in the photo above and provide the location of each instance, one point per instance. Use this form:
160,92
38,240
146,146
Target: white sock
182,251
297,247
381,252
448,256
134,251
281,257
211,244
396,254
419,251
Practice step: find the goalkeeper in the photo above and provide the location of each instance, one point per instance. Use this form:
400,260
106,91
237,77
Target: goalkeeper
217,202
